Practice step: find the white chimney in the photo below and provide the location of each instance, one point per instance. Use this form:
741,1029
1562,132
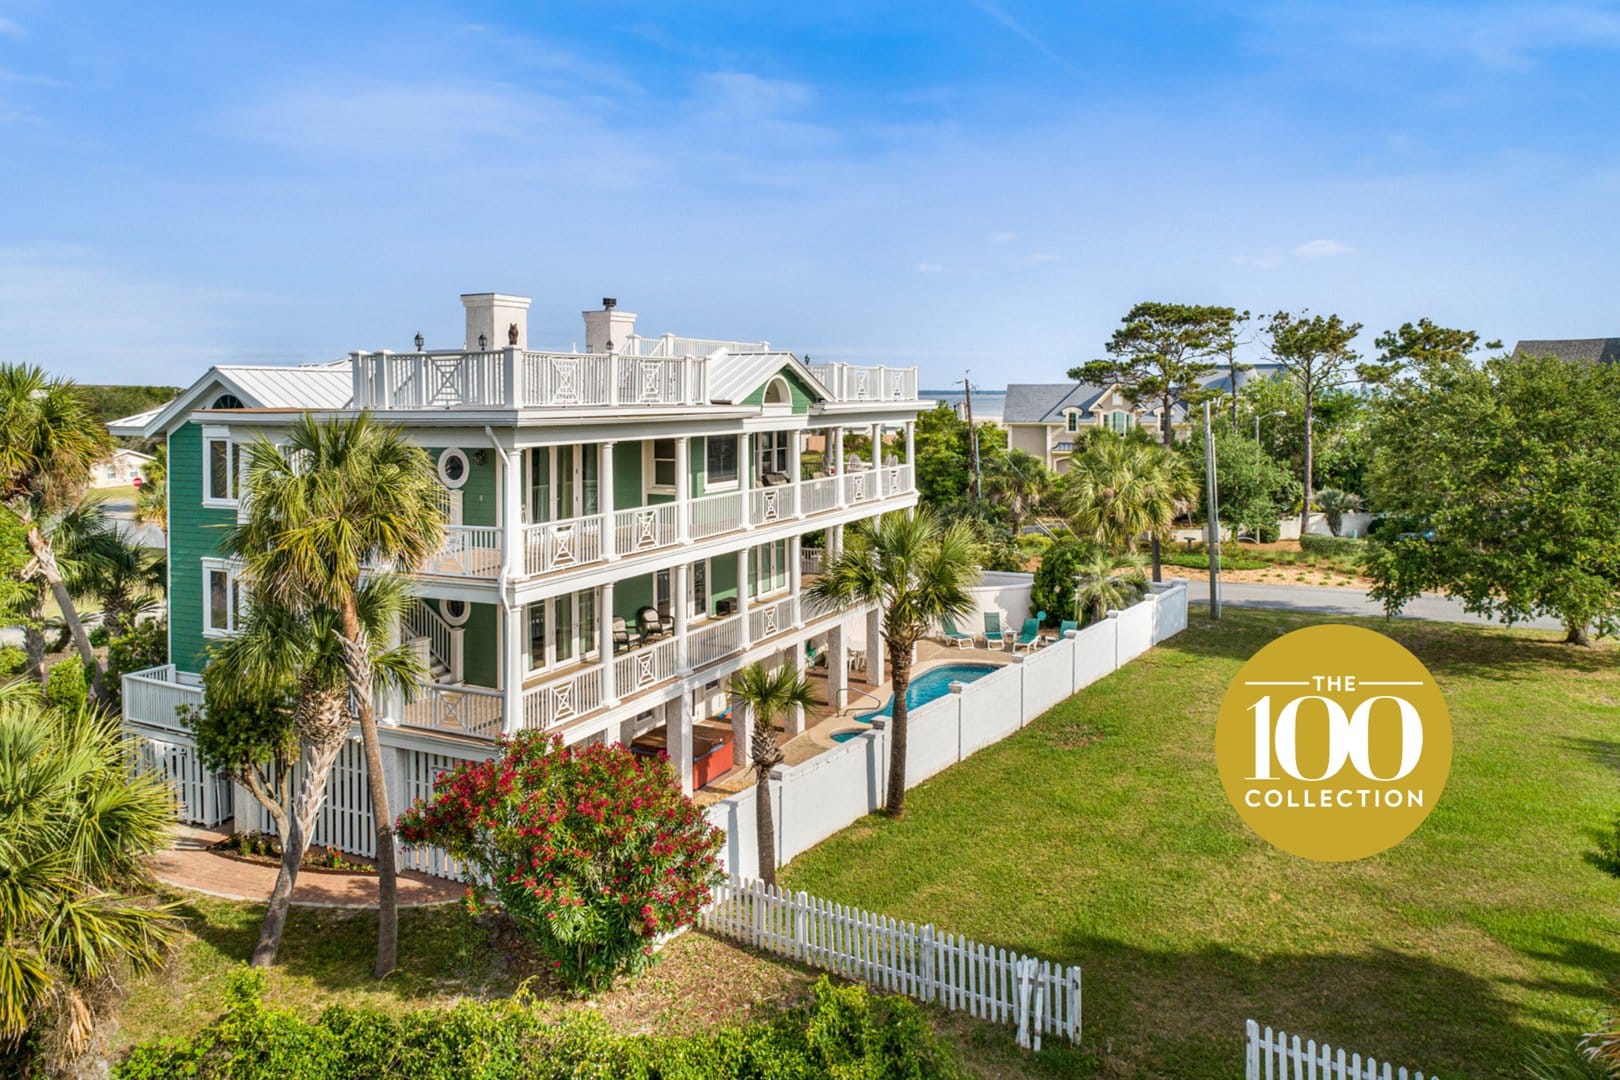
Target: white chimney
500,319
609,324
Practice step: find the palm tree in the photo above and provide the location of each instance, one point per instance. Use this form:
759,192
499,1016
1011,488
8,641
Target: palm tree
1106,579
1335,504
286,653
125,576
1119,489
341,498
49,441
152,500
1019,482
82,540
918,571
77,823
768,695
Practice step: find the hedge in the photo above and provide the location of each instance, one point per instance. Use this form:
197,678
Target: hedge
1316,544
843,1031
1198,560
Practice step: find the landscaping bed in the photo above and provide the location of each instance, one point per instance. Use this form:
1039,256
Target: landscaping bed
265,850
1100,836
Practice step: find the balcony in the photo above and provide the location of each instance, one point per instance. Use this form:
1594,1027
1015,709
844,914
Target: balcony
474,551
515,378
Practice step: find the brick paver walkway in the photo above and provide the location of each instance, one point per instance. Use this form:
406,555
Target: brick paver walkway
190,865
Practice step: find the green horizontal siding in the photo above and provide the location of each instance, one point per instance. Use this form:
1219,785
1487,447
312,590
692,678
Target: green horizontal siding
196,532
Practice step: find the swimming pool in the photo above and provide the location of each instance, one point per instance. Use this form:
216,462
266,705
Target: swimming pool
931,684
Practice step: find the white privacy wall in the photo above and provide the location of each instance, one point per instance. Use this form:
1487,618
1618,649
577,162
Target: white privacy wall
817,798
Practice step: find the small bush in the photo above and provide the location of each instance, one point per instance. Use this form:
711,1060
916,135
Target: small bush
841,1032
1332,546
146,645
12,660
99,636
593,852
1198,560
66,687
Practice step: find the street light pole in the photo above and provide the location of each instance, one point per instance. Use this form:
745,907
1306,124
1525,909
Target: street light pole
1212,515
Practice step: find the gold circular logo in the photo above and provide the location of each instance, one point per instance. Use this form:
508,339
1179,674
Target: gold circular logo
1333,743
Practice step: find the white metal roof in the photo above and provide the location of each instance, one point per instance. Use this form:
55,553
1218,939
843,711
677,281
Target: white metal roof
733,376
309,386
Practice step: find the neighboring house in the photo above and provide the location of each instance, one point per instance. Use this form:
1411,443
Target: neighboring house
624,529
1604,350
1049,419
119,470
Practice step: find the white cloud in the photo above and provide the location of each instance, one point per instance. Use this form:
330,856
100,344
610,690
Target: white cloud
746,96
1259,262
928,268
1003,237
1018,28
11,29
1321,249
1039,258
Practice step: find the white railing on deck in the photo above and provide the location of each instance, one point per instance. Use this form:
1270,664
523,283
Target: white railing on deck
771,504
429,380
468,551
849,382
715,514
670,345
554,545
772,618
566,379
651,382
563,700
422,622
896,480
714,640
645,528
817,496
151,696
466,710
860,486
1276,1055
810,560
1037,997
647,666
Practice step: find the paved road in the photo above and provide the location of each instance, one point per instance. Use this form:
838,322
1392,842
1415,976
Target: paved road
1343,602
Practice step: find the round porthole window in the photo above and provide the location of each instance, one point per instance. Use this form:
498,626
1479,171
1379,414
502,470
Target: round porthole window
455,612
453,468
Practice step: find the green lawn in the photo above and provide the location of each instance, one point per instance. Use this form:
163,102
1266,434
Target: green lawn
1100,835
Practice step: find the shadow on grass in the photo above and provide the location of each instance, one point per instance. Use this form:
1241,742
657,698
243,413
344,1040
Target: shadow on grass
1182,1013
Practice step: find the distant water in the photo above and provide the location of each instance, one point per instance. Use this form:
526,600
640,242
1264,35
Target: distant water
987,404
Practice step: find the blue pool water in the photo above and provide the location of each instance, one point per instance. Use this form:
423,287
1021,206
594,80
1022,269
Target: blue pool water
931,684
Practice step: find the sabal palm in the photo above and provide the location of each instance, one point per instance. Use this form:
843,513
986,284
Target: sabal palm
1106,579
1019,482
339,499
49,441
77,822
768,695
287,652
1119,489
82,539
917,571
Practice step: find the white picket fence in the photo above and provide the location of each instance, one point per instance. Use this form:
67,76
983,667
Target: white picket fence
1276,1055
1037,996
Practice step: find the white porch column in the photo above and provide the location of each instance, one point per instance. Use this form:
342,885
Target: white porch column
512,642
877,448
745,562
874,646
795,573
796,470
793,723
678,586
604,501
678,738
837,664
604,645
627,730
838,463
911,449
742,733
683,487
835,541
511,513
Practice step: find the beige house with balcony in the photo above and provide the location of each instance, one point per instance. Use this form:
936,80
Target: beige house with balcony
625,527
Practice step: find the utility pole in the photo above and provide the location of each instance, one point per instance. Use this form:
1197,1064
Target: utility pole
1212,511
973,434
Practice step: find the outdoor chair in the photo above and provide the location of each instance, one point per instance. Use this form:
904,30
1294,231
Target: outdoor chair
652,624
621,634
953,636
1065,626
1029,636
992,629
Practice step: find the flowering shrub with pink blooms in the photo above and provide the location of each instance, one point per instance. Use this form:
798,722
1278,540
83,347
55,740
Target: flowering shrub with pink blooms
593,851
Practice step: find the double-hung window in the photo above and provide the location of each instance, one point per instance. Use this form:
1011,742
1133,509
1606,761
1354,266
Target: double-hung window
720,462
222,468
663,465
222,598
773,452
562,630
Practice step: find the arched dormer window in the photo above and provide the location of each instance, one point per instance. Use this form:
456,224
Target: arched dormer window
227,401
777,392
1071,420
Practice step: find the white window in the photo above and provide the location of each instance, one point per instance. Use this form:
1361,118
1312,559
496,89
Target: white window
222,468
1120,421
453,468
773,452
720,453
777,392
222,598
1074,420
562,630
770,568
699,590
661,470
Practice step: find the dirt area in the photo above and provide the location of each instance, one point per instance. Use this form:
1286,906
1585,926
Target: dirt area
1279,575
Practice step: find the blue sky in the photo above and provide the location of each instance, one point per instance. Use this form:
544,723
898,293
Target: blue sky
955,184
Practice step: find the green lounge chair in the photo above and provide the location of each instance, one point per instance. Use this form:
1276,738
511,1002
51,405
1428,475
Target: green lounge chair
992,629
953,636
1029,636
1065,626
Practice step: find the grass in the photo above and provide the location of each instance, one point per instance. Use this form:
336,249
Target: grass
1100,835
